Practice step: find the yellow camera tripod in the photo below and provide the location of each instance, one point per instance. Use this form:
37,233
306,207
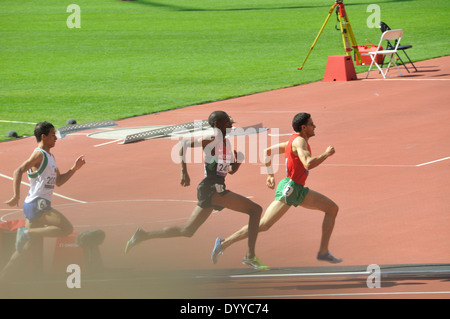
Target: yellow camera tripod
346,30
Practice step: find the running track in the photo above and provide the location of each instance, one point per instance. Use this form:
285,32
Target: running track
390,177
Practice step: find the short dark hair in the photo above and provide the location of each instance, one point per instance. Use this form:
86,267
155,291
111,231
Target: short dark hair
299,120
42,128
217,116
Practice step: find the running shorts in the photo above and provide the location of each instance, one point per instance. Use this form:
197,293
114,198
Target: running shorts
290,192
35,209
206,189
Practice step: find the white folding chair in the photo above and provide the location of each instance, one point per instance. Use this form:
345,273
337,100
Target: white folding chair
403,47
391,35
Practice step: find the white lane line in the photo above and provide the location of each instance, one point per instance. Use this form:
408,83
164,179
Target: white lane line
388,165
348,294
13,211
435,161
349,273
369,165
56,194
110,142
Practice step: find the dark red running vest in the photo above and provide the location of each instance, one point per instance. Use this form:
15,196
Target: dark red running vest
294,167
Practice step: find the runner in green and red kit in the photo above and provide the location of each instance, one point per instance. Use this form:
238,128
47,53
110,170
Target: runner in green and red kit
291,191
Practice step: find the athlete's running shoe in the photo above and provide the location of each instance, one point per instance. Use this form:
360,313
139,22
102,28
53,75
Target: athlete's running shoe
328,257
217,250
134,240
255,263
21,239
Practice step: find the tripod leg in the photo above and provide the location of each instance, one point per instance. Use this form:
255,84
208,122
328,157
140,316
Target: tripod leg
344,33
347,32
353,40
320,32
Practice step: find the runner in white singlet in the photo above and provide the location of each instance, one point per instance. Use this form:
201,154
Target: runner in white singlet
41,220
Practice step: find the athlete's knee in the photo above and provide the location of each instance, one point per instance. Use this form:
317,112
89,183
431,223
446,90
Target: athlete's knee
67,229
264,226
256,210
178,231
187,231
333,210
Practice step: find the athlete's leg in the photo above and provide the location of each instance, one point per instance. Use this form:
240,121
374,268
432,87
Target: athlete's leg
242,204
18,260
16,263
51,224
317,201
273,213
197,218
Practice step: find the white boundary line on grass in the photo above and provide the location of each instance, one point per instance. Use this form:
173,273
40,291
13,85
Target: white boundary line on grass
17,122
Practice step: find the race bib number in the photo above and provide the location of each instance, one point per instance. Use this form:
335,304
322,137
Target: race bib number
222,169
41,204
287,191
50,182
223,160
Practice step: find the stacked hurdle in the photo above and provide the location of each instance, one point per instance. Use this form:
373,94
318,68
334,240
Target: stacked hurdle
167,131
63,131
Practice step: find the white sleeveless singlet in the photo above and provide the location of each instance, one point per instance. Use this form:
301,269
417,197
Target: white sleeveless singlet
42,181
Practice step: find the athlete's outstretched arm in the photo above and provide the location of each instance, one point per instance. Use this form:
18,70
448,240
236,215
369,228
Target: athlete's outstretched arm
268,155
63,178
300,147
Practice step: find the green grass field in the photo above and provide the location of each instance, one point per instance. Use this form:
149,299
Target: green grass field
139,57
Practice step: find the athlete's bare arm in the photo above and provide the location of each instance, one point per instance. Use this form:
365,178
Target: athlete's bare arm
268,155
183,145
32,163
63,178
300,147
238,159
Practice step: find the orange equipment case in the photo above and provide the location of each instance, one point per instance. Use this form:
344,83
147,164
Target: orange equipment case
365,58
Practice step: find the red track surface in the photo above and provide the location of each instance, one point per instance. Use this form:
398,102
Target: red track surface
391,210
